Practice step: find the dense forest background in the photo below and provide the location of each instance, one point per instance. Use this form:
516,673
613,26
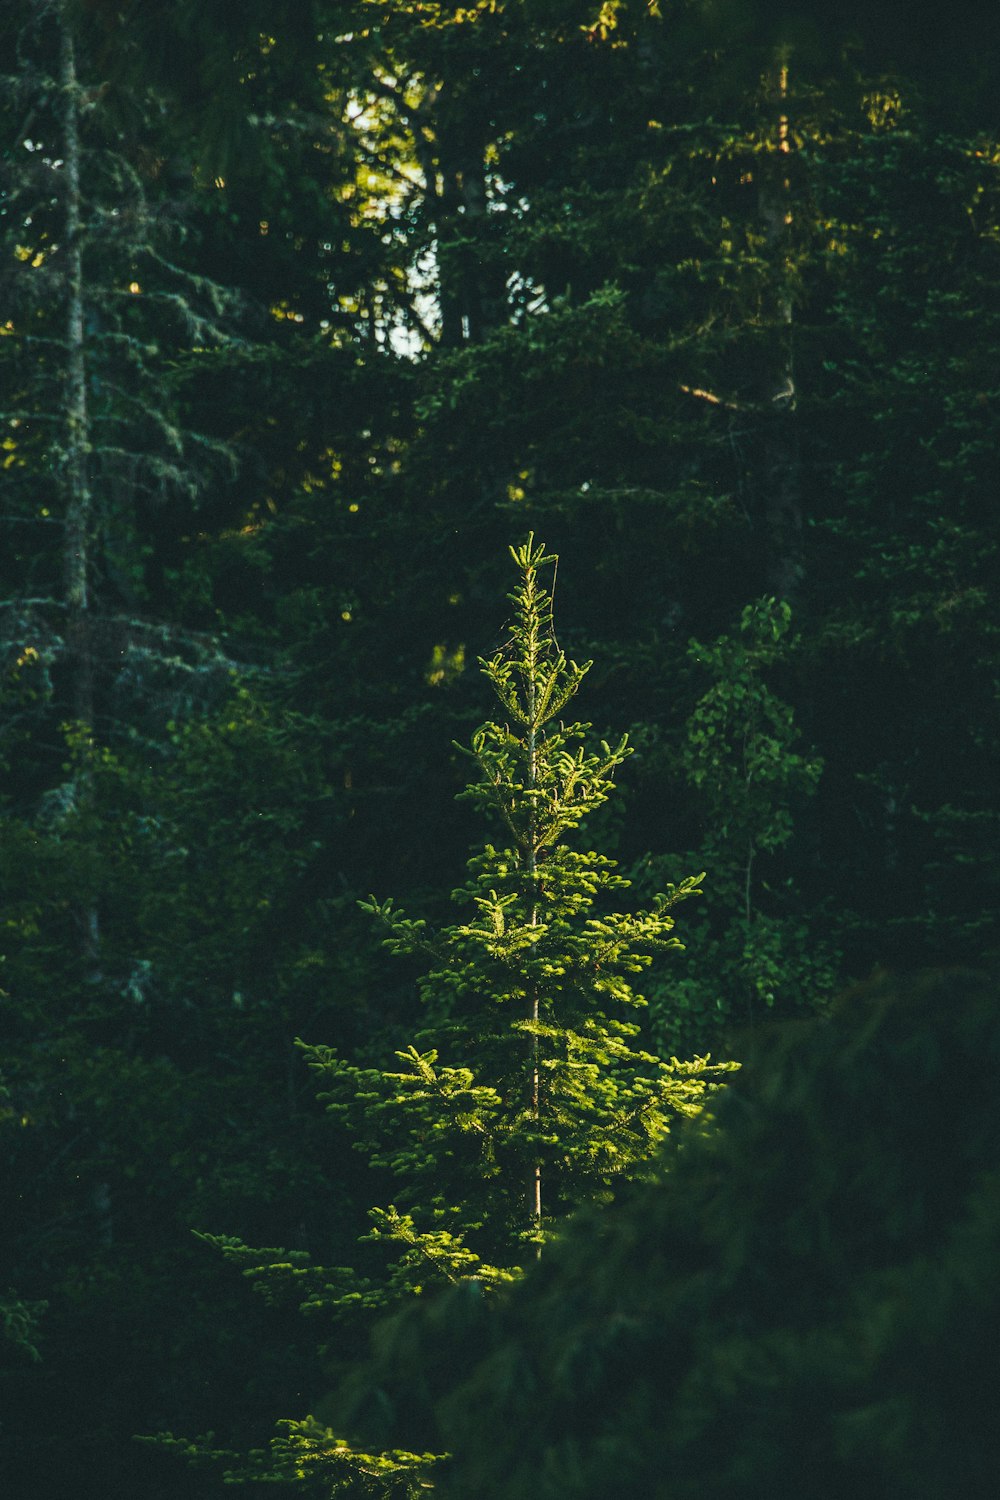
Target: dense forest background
308,310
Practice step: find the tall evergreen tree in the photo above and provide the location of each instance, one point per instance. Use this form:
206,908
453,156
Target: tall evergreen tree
529,1090
103,299
158,804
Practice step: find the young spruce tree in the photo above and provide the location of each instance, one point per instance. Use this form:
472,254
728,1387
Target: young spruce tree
528,1092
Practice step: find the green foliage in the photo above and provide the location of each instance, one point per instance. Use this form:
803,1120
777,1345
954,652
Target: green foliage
705,294
310,1455
18,1323
738,753
18,1319
138,1081
531,999
739,760
803,1302
547,1098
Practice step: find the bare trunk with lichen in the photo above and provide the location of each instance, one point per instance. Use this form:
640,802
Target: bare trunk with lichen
79,504
78,520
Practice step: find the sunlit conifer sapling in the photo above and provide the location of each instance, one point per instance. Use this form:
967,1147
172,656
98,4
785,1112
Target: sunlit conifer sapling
527,1091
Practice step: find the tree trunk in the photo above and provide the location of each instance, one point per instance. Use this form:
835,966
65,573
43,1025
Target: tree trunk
535,1177
78,522
781,457
78,516
470,290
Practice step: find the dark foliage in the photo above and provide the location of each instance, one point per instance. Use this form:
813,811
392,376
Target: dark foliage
804,1302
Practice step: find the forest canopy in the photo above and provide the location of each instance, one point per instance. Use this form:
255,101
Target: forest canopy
309,312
